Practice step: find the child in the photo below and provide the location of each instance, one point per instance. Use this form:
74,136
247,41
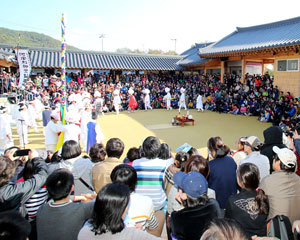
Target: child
59,212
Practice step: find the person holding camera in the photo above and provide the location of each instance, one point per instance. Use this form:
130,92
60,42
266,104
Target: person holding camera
14,195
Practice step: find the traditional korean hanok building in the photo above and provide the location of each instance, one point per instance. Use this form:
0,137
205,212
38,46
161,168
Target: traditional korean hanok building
49,60
249,49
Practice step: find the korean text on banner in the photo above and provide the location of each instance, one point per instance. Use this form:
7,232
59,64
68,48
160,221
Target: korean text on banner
24,65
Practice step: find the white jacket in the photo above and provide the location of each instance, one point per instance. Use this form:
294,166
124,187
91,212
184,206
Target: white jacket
51,132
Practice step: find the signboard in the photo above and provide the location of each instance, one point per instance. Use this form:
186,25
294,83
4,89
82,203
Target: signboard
24,65
254,67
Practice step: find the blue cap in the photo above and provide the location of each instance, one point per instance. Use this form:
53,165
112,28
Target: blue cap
193,184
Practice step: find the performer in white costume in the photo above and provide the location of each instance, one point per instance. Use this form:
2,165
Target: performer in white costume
86,116
32,115
199,104
6,140
73,106
51,132
71,130
117,100
22,125
147,99
182,99
98,103
168,98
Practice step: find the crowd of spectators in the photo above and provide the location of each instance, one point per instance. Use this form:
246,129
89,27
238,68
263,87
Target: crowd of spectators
256,97
102,196
69,195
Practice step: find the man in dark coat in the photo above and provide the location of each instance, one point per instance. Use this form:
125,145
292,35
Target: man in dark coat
273,137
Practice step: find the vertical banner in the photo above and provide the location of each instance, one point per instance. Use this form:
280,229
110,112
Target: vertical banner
24,65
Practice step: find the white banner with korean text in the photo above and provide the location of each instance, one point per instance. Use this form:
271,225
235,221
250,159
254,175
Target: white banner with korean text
24,65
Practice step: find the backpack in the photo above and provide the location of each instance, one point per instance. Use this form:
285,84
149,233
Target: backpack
280,227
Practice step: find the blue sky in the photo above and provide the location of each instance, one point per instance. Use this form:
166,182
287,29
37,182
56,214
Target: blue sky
142,24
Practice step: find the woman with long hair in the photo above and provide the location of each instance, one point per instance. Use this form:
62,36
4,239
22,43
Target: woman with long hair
250,207
108,216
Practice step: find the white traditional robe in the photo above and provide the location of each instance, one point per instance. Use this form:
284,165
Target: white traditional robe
23,123
6,140
199,104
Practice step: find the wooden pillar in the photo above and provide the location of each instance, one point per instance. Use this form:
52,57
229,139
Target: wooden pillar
204,71
263,68
243,70
222,71
85,72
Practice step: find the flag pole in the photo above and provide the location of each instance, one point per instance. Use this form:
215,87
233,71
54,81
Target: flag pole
63,81
63,59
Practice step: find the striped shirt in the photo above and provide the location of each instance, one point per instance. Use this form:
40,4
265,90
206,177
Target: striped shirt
35,201
150,173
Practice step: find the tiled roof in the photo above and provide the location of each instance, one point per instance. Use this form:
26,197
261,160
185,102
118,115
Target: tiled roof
191,56
276,34
77,59
8,56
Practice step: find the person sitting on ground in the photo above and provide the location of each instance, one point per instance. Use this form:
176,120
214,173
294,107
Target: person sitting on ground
178,165
222,175
61,218
140,210
296,229
150,172
250,207
13,226
101,172
273,137
283,186
81,167
165,152
97,153
224,229
132,154
198,209
14,195
108,216
239,154
35,201
252,146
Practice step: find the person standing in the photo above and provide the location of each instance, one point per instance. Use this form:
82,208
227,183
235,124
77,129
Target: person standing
32,115
182,103
168,98
22,125
51,132
132,101
46,115
199,104
85,118
147,99
99,102
71,130
6,140
117,100
94,132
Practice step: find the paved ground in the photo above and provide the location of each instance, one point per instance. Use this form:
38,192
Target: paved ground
135,127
